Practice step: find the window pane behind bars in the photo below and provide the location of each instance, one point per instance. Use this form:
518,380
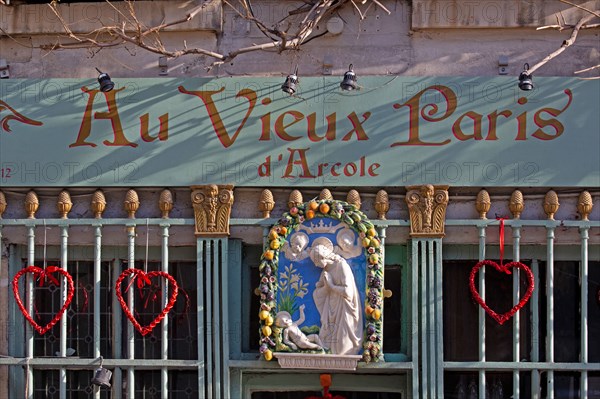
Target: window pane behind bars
461,321
80,337
183,343
80,314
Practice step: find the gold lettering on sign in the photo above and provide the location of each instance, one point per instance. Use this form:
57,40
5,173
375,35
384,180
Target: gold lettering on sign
212,209
427,206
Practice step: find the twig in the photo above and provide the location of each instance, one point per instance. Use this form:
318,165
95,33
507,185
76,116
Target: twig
587,69
565,27
580,7
565,44
358,9
382,7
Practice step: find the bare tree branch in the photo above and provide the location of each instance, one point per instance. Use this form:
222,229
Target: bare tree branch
567,26
581,7
588,69
133,30
565,43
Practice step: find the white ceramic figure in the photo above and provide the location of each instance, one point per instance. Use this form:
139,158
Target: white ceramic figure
346,244
293,336
295,250
337,299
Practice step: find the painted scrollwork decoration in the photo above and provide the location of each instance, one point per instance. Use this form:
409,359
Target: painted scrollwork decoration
427,206
212,209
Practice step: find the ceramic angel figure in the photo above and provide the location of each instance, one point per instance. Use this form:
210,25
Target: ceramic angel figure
346,244
293,336
337,299
295,250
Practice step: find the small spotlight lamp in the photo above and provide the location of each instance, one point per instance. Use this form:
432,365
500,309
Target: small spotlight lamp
349,81
106,84
525,79
289,86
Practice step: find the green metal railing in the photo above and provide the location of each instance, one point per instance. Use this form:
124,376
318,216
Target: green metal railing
424,370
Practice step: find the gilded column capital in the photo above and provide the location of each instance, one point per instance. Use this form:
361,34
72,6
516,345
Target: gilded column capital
212,209
427,207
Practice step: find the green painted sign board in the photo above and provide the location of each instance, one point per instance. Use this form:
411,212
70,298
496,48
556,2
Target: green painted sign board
461,131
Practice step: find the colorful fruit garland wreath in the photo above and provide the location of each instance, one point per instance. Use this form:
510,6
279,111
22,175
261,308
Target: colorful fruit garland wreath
290,221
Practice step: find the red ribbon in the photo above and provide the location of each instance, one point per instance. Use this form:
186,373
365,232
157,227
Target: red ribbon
85,298
142,281
187,306
501,240
45,275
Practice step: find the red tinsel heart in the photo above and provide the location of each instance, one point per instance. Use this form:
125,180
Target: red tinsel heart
144,278
42,275
501,318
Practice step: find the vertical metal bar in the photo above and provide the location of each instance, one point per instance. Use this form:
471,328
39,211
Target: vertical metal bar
516,318
200,317
414,290
117,331
63,320
164,375
431,318
550,308
424,325
439,313
16,348
30,296
209,319
131,305
535,331
216,336
225,314
97,288
481,311
584,231
381,234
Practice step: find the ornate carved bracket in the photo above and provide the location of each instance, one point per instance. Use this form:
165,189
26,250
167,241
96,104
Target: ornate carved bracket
427,206
212,209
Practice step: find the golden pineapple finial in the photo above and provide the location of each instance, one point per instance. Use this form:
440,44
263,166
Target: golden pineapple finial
353,198
98,204
325,195
551,204
266,203
64,204
585,205
295,199
32,204
165,203
3,204
131,203
483,204
517,204
382,204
